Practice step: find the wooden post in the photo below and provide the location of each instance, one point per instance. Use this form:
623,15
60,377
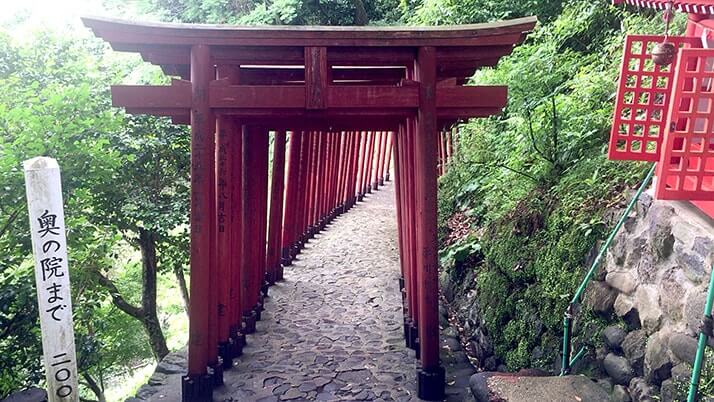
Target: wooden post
389,157
225,229
250,225
198,385
54,299
235,130
276,207
399,198
362,164
382,158
411,184
378,156
223,240
291,198
262,150
431,376
370,162
305,183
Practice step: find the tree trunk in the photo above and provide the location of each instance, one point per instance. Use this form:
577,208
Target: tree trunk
178,271
361,17
96,389
147,244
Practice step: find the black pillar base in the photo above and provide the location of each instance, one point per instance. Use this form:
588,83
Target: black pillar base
407,340
369,188
225,352
197,388
216,371
360,197
431,384
281,272
258,308
386,178
381,181
237,342
266,284
413,336
249,319
401,284
286,257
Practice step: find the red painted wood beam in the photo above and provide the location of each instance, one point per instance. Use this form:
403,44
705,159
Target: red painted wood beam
313,176
224,96
223,241
316,77
255,167
291,197
303,189
178,56
276,207
390,154
411,184
202,156
262,217
237,270
431,380
226,133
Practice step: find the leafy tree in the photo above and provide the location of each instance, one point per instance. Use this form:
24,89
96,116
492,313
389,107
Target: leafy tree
148,204
125,189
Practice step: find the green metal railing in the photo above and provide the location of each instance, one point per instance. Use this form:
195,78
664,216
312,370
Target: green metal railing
567,362
704,334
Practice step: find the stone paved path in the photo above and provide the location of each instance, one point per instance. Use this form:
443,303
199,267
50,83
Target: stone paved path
332,330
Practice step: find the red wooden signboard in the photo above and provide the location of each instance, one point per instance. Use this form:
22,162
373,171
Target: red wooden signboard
642,101
686,169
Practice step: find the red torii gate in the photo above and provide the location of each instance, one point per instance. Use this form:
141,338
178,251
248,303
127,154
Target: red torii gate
341,92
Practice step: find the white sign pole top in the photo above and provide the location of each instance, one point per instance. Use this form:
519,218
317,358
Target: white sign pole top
54,299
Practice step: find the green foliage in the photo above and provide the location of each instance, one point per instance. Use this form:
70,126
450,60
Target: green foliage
277,12
549,147
441,12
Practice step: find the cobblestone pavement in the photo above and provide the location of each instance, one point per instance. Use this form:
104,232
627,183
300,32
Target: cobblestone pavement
332,330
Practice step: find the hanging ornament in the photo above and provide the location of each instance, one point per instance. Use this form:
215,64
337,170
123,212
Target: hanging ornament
663,53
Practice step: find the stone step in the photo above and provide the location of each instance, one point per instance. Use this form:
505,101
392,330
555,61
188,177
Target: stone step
510,387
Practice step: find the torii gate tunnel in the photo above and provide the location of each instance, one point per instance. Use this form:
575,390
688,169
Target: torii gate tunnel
348,97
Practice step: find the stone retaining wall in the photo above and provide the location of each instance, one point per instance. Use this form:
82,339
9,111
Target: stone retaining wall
655,279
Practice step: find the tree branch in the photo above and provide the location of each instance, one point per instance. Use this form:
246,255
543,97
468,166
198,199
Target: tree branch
555,131
96,389
533,140
9,222
503,165
117,298
524,174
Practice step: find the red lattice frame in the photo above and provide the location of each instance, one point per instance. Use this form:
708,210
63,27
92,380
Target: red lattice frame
686,169
642,99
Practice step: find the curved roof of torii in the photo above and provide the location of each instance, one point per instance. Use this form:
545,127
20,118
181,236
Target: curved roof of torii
461,49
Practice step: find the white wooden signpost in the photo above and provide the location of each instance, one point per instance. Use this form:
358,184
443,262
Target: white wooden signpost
49,246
